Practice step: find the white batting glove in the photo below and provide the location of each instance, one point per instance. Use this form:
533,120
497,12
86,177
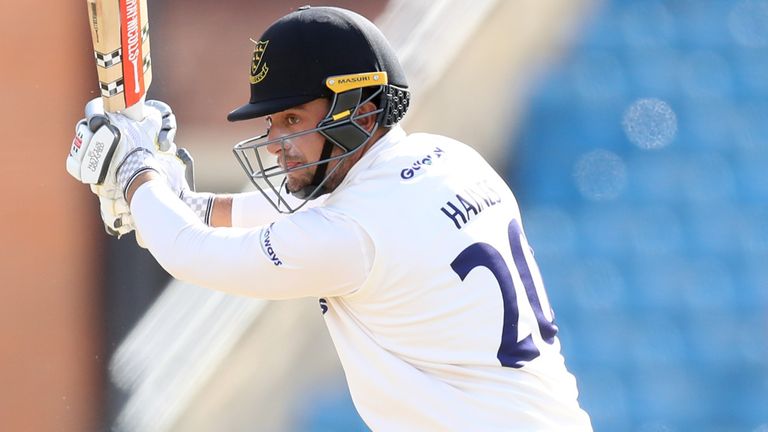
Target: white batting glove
179,169
181,177
84,164
117,150
137,147
91,160
91,152
178,165
167,137
115,215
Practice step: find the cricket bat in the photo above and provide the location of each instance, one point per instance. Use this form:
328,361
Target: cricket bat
120,34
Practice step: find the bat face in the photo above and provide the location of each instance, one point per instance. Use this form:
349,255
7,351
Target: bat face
120,34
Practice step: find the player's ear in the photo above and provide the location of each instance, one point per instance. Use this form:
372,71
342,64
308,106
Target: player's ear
369,121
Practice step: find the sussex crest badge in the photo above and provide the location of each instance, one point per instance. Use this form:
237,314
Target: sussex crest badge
259,68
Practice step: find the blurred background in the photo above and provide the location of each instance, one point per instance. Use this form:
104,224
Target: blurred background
634,134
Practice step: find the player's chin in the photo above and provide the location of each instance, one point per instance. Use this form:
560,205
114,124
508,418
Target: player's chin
297,182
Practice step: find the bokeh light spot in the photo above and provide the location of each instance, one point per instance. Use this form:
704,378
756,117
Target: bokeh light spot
650,123
600,175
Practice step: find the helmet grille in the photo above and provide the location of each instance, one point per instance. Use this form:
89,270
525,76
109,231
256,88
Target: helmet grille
398,100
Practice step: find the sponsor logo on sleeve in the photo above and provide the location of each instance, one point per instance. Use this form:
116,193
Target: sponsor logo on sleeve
268,248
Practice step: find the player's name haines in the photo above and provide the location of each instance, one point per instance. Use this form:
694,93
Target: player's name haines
470,202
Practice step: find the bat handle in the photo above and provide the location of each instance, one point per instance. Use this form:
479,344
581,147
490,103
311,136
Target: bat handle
135,111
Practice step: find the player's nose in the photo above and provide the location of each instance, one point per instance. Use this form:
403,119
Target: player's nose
275,147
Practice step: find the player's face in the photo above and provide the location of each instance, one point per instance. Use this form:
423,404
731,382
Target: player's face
304,149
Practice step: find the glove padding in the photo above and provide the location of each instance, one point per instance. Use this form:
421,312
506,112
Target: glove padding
89,161
135,153
101,172
114,209
167,137
115,212
115,215
92,150
176,164
108,144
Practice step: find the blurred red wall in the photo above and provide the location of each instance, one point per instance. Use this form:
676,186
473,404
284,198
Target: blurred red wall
50,342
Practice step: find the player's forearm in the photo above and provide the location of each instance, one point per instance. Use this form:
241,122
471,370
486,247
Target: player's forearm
185,248
244,210
236,260
221,213
252,209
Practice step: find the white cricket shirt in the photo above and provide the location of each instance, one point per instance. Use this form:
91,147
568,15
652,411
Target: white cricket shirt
429,288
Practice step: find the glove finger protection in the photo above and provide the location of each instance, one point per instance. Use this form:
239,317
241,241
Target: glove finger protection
186,157
89,164
137,147
167,137
138,143
91,152
100,146
177,170
116,216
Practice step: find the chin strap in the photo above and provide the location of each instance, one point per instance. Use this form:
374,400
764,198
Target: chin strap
313,186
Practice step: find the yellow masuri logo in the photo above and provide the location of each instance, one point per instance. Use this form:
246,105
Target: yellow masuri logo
259,70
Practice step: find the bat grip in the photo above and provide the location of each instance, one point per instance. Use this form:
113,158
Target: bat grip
135,111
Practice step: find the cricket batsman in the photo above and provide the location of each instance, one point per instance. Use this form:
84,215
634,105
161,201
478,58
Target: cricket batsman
412,243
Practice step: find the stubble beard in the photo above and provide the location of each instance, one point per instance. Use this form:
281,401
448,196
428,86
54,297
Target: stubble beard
298,180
